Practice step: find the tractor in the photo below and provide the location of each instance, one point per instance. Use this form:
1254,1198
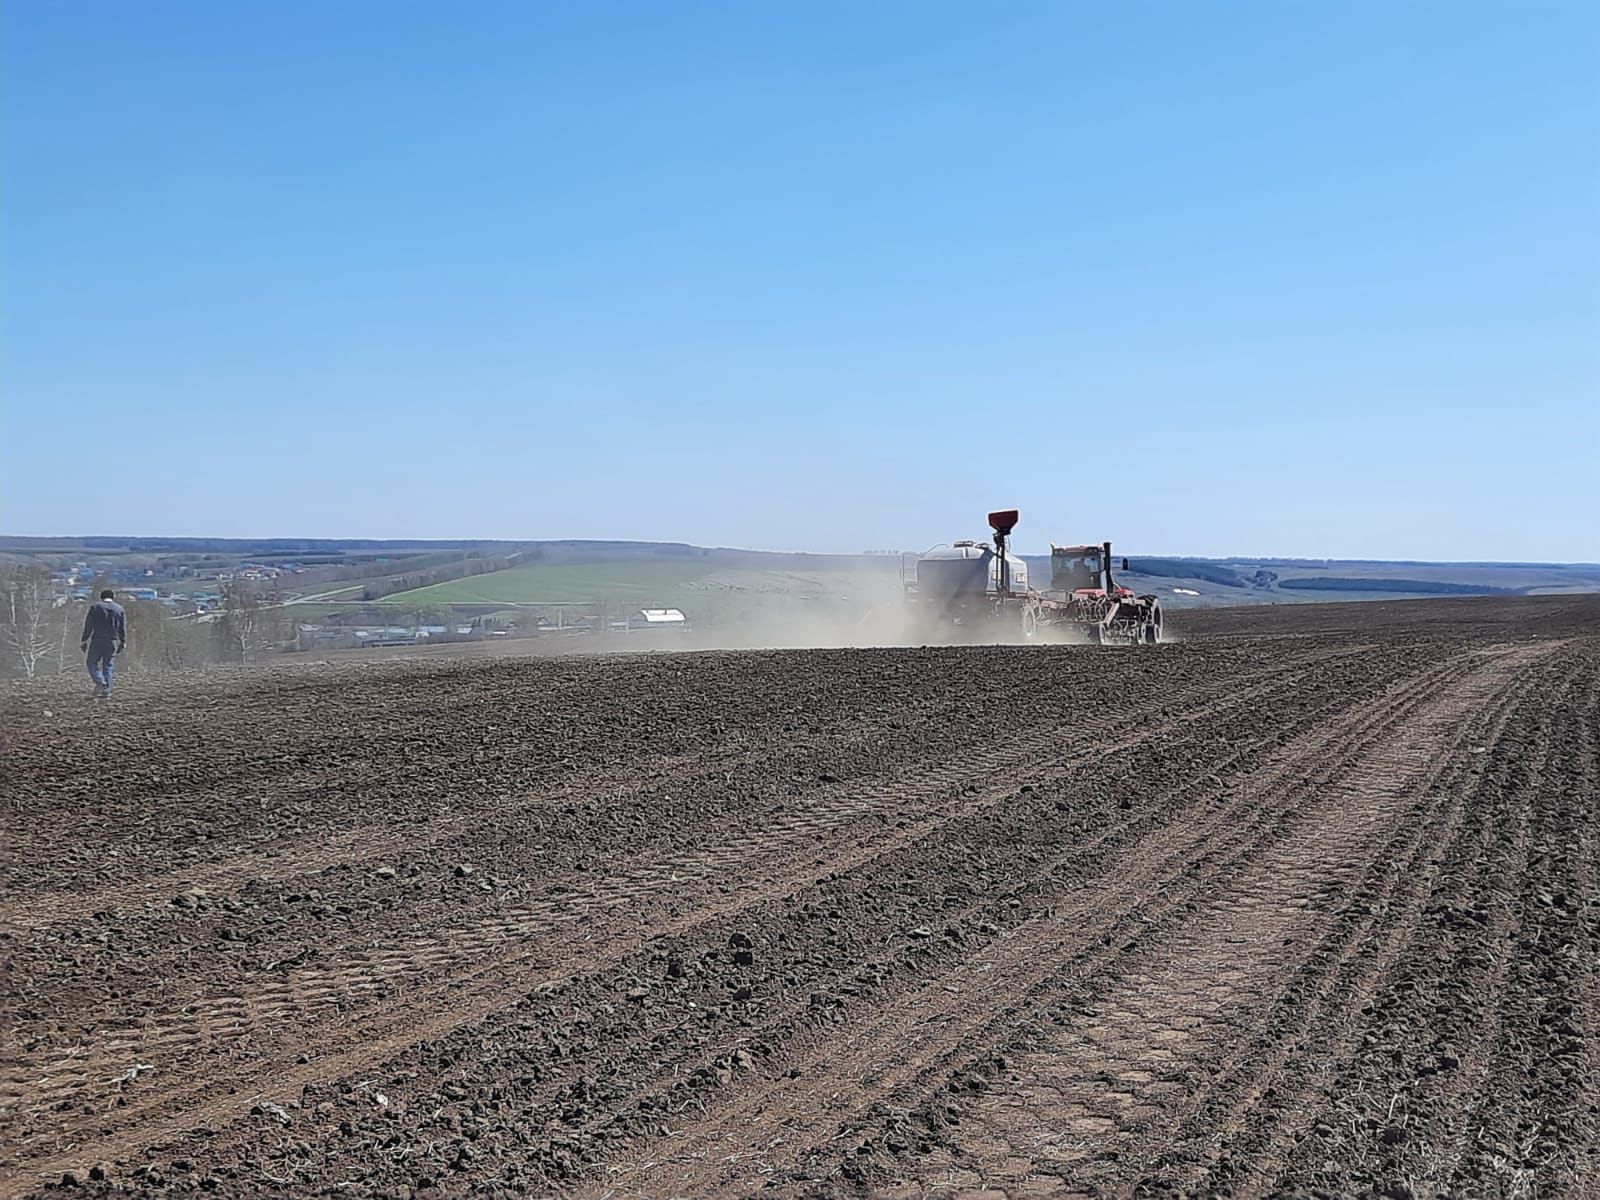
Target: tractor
1084,593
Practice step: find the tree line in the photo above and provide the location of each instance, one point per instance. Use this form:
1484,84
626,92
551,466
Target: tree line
1416,587
461,568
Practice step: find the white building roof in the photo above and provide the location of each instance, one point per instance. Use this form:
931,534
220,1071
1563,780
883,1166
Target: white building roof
662,616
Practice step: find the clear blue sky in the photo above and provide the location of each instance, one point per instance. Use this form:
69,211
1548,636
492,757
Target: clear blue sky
1294,278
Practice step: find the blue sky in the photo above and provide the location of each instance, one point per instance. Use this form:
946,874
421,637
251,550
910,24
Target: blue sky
1317,279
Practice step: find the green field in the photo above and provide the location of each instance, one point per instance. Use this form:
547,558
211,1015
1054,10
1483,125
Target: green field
705,592
710,592
562,583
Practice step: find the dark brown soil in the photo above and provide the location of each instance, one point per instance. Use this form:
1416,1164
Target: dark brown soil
1305,901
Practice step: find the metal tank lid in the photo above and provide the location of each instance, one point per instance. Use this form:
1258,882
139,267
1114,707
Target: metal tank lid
964,550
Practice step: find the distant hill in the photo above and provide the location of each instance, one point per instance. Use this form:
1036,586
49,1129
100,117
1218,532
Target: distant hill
367,549
1207,581
565,570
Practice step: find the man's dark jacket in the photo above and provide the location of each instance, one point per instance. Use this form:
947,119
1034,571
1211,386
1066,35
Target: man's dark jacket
105,624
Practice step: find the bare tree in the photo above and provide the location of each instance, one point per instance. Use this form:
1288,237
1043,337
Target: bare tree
250,623
26,606
234,626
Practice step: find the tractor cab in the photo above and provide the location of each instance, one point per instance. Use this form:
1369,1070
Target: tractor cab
1076,568
1083,569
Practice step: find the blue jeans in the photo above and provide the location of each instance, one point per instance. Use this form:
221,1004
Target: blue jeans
100,660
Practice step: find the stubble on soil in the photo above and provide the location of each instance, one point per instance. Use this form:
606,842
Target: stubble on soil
1306,901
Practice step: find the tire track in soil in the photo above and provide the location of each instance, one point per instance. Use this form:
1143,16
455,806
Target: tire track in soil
1151,1134
885,1055
292,1004
1108,1093
278,858
1266,1103
310,855
1589,888
1502,844
1265,1086
372,969
1201,788
1474,1079
1120,1077
1507,1125
306,856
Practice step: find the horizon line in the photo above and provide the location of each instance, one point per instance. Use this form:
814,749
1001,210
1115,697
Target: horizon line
399,543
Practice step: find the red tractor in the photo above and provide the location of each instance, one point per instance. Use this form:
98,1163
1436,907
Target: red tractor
1084,593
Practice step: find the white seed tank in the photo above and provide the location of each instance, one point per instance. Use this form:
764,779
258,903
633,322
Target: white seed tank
967,568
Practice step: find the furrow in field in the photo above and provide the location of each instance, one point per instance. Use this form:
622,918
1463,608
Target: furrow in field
417,988
885,1055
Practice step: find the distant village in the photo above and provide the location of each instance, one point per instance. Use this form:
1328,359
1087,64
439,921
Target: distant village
177,587
185,594
570,620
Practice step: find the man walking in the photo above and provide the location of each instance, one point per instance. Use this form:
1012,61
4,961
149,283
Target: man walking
105,633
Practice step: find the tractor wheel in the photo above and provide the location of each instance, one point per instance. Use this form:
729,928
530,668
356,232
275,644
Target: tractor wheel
1094,634
1030,622
1152,633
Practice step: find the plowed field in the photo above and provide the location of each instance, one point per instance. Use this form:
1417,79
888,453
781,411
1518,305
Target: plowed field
1306,900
